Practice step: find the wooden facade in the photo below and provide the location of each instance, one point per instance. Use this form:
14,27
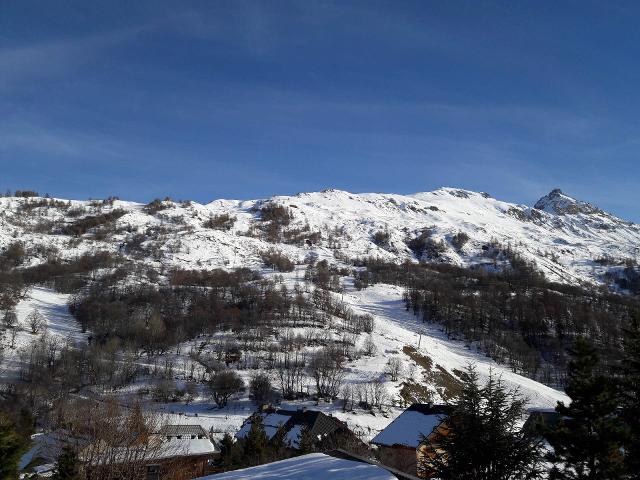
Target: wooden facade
406,443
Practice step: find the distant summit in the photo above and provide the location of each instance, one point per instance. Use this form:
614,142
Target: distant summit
558,203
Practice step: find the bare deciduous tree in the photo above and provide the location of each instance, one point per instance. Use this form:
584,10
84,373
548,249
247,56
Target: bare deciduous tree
13,334
327,369
290,369
394,368
369,346
114,441
224,384
260,388
36,321
10,319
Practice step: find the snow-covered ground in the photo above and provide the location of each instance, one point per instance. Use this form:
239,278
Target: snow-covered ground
395,328
59,325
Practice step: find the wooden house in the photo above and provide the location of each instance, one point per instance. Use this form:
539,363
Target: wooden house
176,452
402,443
325,431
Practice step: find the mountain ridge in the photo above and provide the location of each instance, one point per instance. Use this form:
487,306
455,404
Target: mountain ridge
564,237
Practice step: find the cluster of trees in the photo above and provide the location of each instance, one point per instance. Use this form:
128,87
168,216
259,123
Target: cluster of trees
275,259
481,440
107,440
381,238
63,276
151,319
147,320
255,449
324,275
223,221
81,226
12,284
369,395
459,240
302,236
12,256
23,193
597,435
424,246
274,218
12,289
630,279
156,205
514,314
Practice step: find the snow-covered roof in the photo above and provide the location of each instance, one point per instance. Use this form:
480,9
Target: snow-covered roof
317,423
409,428
271,422
183,430
308,467
161,447
185,447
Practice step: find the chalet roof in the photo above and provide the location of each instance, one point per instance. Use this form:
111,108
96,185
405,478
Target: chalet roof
293,421
183,430
186,448
408,429
159,447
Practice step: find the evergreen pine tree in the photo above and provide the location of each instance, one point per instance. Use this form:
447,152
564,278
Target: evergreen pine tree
278,445
307,444
228,451
13,443
630,396
255,444
481,439
67,467
587,442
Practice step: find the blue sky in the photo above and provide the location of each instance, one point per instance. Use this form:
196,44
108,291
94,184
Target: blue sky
202,100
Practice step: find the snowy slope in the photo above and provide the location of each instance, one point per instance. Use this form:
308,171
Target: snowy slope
60,326
394,329
561,235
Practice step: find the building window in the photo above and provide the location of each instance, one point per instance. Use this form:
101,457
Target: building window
153,472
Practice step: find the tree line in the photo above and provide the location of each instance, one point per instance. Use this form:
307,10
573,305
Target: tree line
596,436
515,315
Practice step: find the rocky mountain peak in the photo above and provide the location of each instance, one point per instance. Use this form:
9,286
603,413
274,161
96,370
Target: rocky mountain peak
559,203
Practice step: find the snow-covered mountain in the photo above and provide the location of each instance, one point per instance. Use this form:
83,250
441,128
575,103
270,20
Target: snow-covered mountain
563,236
567,239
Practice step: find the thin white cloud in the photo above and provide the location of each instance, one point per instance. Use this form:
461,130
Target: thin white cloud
33,137
49,59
